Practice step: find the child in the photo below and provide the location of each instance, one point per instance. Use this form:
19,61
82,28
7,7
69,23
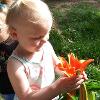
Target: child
31,67
6,47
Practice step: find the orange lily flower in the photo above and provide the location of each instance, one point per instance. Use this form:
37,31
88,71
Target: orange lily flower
74,65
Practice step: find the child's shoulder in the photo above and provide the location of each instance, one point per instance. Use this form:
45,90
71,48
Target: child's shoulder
14,64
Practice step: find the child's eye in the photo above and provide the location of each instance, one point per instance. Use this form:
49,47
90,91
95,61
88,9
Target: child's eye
37,38
34,39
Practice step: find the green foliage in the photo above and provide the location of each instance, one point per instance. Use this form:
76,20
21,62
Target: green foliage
92,95
93,72
84,19
58,42
78,32
93,84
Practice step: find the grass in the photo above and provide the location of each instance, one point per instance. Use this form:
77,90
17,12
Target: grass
79,29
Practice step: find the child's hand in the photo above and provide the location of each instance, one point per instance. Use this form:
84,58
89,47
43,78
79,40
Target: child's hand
68,84
84,75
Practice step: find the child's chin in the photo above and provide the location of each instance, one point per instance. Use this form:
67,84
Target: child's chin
37,49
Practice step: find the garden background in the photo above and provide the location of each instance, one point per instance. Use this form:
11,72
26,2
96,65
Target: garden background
76,29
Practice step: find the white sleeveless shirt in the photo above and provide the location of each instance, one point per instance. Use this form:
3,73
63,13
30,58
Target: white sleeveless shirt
40,74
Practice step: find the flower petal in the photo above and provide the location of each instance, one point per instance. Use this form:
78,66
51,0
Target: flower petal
86,63
74,62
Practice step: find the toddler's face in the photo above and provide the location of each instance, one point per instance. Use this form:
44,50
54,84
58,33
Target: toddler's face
32,37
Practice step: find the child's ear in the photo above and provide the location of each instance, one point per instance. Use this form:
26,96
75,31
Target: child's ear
13,33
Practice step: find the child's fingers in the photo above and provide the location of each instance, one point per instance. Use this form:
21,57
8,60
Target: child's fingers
77,78
71,83
84,76
77,87
77,84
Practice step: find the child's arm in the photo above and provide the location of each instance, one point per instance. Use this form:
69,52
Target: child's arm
55,60
24,92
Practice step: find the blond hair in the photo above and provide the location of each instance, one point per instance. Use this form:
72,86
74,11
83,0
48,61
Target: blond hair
27,10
